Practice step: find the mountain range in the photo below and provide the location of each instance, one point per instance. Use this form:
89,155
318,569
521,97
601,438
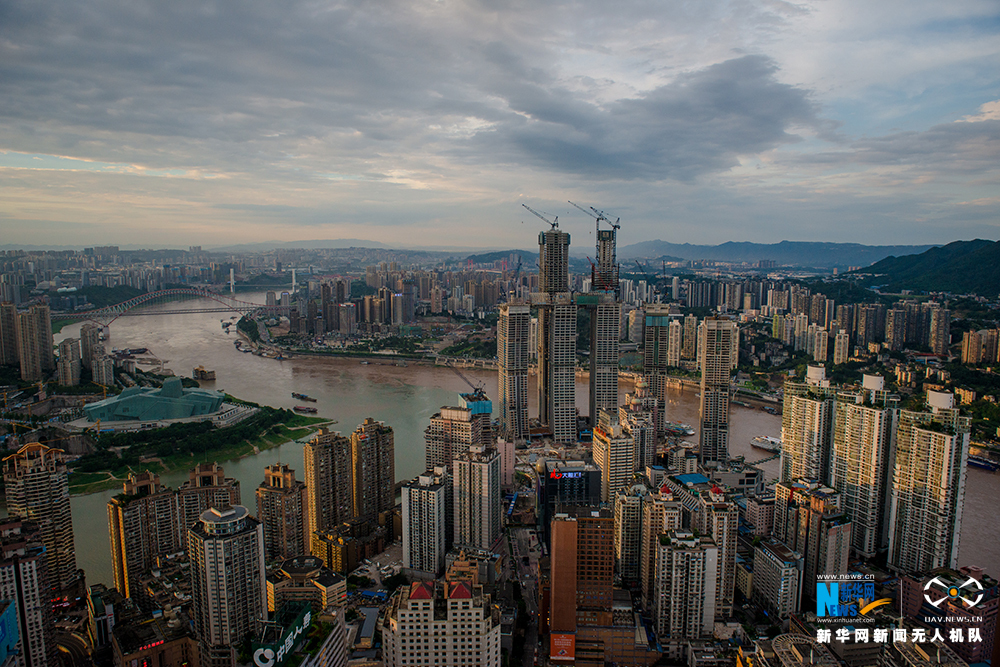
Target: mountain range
961,267
793,253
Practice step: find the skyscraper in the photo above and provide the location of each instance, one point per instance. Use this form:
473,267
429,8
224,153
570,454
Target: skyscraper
476,475
807,427
207,487
629,501
69,365
283,511
226,551
8,334
425,521
454,429
718,517
661,513
841,347
24,579
37,490
605,323
932,448
864,423
940,330
373,469
556,337
655,355
686,577
719,347
143,522
34,343
328,483
614,454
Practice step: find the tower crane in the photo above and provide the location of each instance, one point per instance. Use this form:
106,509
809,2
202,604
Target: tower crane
554,222
477,389
599,215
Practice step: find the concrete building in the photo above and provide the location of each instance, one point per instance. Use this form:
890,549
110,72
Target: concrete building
426,511
283,511
8,334
144,523
226,550
477,515
628,508
454,429
718,356
155,640
655,358
68,367
328,482
24,580
207,487
807,427
513,359
450,623
90,339
661,513
686,576
373,469
717,516
306,579
563,484
861,470
37,490
791,650
614,453
777,578
952,591
34,343
556,337
928,486
841,347
940,331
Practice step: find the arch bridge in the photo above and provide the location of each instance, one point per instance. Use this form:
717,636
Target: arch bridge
133,307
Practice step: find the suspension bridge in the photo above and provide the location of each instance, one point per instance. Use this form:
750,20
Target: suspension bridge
135,306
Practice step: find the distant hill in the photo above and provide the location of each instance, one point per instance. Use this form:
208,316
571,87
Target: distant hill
962,267
527,256
794,253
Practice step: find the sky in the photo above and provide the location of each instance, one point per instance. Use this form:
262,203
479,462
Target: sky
427,123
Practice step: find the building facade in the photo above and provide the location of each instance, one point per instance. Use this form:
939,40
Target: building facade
283,511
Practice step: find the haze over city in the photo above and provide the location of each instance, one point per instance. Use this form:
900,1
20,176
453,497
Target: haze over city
428,123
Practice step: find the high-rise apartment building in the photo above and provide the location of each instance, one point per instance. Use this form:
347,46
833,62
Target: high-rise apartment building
207,487
476,475
556,337
928,495
426,514
513,359
807,427
864,424
143,523
661,513
686,577
841,347
226,552
68,367
454,429
24,579
655,350
718,356
34,343
283,511
328,483
628,506
940,330
614,453
37,490
454,623
605,334
777,578
373,468
8,334
718,517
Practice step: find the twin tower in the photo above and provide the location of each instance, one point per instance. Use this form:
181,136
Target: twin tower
556,340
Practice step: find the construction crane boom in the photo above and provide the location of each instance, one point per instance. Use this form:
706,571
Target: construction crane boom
554,222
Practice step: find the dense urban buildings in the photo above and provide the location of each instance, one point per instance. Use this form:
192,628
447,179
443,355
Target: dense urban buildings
328,482
283,511
373,468
24,580
37,490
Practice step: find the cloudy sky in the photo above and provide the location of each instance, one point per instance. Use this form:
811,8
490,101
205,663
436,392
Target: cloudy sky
428,122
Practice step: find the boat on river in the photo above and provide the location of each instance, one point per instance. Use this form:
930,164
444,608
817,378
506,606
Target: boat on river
303,397
984,463
678,429
767,443
306,410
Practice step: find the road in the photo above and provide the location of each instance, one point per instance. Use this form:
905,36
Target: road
525,543
72,650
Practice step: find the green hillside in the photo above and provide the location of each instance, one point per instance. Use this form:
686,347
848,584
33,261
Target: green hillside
962,267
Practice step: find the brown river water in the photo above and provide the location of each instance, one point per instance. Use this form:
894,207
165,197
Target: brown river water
402,397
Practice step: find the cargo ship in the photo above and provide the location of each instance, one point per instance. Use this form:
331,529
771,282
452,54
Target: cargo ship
303,397
767,443
984,463
678,429
199,373
307,410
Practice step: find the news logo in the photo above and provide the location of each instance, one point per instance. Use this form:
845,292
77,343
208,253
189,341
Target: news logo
848,598
953,592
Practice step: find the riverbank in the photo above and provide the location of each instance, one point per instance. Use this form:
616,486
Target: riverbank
84,483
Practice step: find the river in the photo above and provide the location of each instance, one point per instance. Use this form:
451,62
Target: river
402,397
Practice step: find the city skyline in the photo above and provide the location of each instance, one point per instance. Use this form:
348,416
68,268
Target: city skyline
430,122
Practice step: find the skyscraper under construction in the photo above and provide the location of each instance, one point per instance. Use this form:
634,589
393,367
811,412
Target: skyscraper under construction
556,336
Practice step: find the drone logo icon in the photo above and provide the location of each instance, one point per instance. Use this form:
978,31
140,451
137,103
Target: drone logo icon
952,592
